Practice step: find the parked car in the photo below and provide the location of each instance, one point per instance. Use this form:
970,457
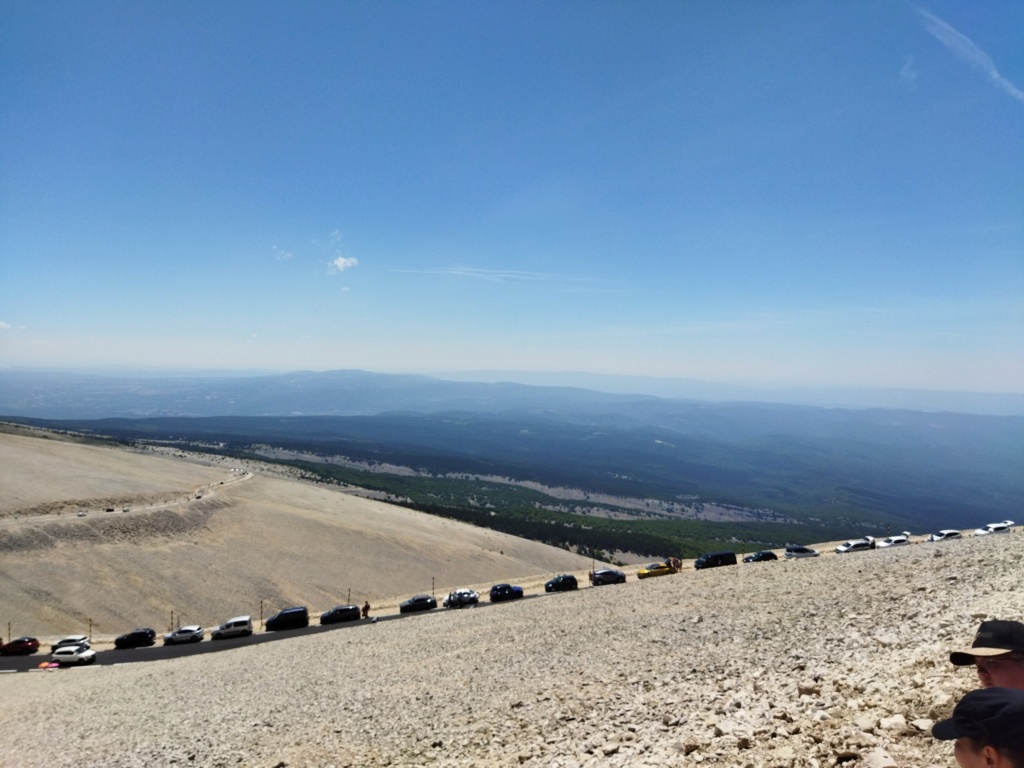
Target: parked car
417,603
193,633
68,655
460,598
764,556
289,618
340,613
240,626
137,638
565,582
607,576
71,640
854,545
20,646
895,541
945,535
797,551
992,528
501,592
655,569
1009,523
714,560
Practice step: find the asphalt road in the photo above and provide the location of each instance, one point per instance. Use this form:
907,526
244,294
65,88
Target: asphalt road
158,652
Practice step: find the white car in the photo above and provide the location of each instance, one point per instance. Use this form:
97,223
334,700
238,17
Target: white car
854,545
240,626
71,640
945,535
190,634
461,598
895,541
992,528
796,551
68,655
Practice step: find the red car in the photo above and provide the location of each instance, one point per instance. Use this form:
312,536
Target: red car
20,646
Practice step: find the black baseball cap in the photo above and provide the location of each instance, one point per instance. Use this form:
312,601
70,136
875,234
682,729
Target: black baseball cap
991,716
994,638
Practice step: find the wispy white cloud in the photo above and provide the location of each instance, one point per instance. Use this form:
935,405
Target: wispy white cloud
341,263
964,49
908,73
503,275
4,326
490,275
282,255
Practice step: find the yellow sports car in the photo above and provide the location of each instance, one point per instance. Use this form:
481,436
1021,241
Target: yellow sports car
654,569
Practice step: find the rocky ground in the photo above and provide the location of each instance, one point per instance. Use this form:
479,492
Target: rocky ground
840,660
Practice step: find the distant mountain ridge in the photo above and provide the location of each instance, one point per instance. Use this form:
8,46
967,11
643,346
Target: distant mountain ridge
92,395
53,395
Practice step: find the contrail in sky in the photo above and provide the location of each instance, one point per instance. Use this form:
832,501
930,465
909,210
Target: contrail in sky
964,49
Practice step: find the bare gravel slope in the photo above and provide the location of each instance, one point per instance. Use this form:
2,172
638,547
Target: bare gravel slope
208,539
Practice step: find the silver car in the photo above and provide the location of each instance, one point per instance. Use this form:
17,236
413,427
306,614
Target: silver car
190,634
607,576
71,640
240,626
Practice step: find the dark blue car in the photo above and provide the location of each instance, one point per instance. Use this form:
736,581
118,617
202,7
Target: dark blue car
501,592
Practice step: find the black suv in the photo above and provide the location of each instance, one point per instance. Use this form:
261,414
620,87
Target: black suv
289,618
137,638
564,583
340,613
715,559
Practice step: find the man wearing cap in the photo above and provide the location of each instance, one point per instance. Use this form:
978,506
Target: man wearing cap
988,725
998,654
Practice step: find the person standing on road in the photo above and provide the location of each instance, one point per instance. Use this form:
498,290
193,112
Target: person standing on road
366,609
998,654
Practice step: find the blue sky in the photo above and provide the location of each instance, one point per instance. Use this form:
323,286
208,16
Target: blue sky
809,193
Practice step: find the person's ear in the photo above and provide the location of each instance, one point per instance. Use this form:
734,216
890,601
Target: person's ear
992,757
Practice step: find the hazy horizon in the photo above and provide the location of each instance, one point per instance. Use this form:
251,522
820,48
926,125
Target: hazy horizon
802,194
980,403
